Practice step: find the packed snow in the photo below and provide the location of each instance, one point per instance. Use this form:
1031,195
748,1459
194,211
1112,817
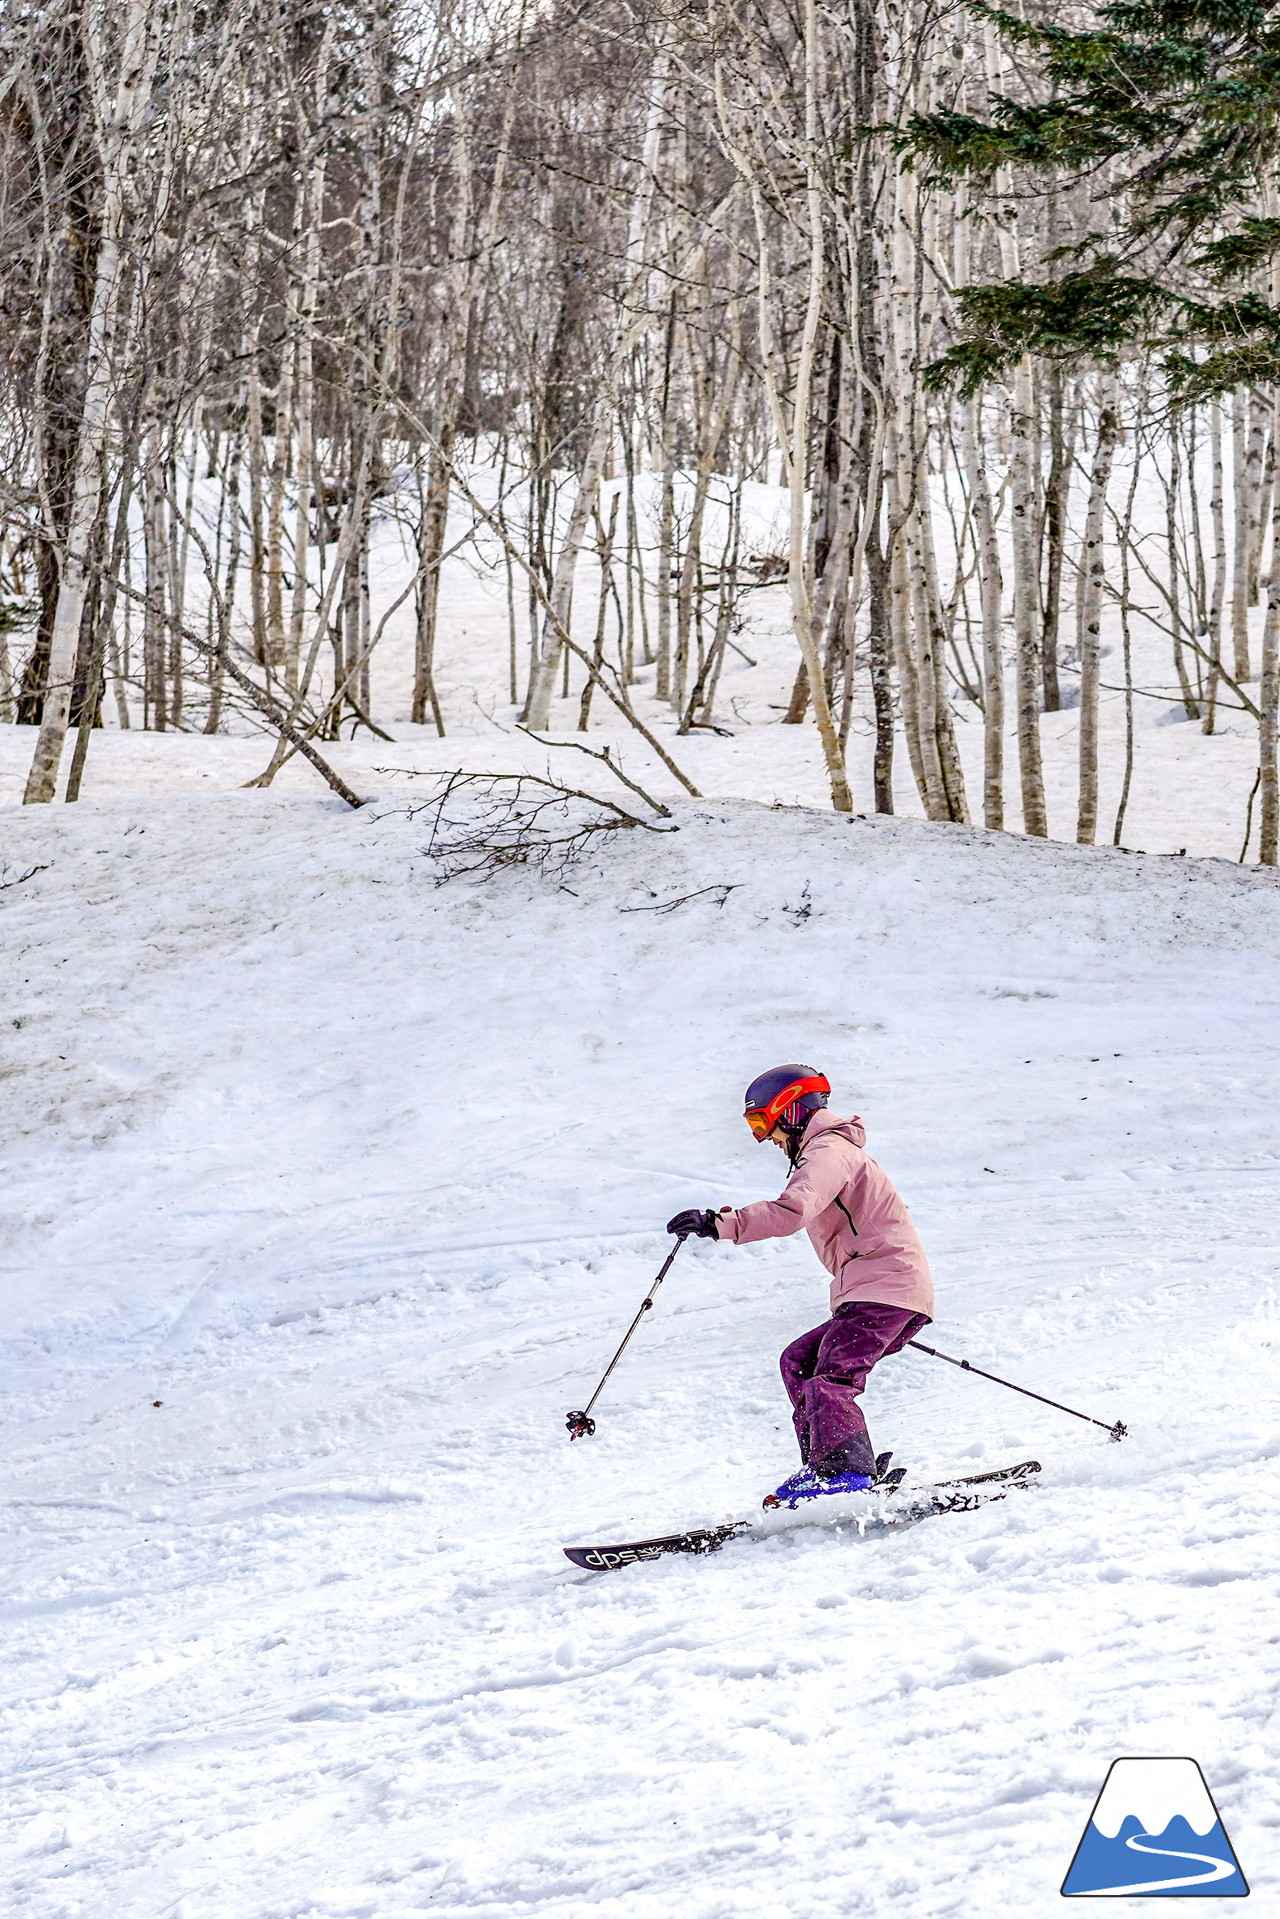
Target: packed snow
330,1189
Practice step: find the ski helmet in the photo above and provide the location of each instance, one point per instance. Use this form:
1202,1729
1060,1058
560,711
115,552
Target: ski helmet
785,1096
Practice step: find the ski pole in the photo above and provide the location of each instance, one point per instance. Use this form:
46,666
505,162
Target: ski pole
1118,1431
581,1425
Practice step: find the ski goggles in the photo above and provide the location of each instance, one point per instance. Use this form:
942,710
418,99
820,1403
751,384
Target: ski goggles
763,1119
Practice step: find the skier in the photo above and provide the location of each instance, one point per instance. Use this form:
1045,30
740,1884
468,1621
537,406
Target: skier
881,1289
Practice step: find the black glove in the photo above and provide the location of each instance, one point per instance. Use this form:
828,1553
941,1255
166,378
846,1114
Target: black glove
697,1223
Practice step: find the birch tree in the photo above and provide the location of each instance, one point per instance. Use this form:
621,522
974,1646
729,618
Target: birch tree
120,101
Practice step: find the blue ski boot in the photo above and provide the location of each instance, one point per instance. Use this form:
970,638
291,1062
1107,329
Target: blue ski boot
807,1485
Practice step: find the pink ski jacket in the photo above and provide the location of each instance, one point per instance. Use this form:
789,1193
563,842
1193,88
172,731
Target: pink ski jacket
858,1226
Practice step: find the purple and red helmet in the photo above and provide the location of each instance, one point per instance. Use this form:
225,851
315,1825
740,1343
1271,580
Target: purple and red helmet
785,1096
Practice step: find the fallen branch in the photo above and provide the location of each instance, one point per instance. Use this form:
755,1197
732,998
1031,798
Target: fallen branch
271,709
669,906
22,877
605,757
484,822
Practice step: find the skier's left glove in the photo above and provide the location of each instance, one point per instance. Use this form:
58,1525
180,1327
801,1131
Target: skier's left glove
697,1223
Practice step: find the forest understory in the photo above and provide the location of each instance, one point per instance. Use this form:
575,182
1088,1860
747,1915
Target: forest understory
1187,792
864,406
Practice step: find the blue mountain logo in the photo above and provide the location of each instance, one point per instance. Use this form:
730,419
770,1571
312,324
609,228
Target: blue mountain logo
1155,1829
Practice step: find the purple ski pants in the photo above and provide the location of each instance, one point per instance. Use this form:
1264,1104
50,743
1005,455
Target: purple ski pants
825,1370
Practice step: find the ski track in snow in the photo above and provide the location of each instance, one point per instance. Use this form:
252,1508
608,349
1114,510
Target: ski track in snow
363,1179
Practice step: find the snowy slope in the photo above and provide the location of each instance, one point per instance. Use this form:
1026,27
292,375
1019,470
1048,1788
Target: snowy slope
362,1178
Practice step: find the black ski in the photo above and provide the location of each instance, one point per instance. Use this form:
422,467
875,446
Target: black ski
916,1502
607,1559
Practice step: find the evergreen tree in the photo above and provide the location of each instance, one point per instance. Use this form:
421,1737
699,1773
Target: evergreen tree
1181,100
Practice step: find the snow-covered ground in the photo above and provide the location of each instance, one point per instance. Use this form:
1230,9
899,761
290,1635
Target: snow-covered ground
361,1178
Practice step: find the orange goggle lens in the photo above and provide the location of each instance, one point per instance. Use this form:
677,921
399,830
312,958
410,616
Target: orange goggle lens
763,1119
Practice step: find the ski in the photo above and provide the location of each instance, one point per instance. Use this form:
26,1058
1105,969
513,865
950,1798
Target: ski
907,1507
607,1559
957,1501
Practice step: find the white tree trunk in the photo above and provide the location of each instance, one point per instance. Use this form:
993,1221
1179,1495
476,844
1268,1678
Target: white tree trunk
1094,575
119,122
1240,533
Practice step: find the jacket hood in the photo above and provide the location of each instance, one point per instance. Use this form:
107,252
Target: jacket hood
851,1129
